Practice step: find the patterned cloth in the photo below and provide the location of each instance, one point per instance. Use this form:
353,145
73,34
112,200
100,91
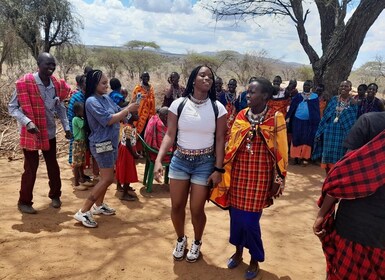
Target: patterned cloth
228,100
367,106
357,175
32,105
117,97
251,177
76,97
79,153
238,135
330,135
279,105
173,93
146,107
154,134
125,164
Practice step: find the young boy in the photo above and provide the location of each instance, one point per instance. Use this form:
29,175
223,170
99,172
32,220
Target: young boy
79,147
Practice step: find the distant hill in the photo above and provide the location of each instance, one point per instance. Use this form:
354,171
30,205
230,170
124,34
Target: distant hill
279,63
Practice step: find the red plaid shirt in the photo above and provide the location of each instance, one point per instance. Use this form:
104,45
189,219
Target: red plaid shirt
251,177
358,174
32,105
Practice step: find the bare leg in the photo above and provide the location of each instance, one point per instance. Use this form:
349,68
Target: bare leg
98,192
198,199
77,175
179,190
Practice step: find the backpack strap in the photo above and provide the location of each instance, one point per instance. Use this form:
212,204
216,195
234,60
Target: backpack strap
181,106
180,109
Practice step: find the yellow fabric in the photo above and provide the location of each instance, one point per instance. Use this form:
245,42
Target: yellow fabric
146,107
239,131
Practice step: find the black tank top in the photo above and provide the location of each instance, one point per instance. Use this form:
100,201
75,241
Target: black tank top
362,220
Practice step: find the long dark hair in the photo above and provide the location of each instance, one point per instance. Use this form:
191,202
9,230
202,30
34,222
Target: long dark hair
191,79
92,81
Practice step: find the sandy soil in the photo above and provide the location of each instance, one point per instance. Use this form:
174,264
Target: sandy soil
138,241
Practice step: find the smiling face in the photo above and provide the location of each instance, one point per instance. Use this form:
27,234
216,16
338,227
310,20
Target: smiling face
255,97
345,88
102,87
371,91
46,64
203,80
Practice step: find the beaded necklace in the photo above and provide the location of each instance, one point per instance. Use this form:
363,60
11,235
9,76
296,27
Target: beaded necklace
342,105
255,120
198,101
230,98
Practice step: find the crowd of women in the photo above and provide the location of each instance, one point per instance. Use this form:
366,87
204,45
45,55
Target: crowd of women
233,149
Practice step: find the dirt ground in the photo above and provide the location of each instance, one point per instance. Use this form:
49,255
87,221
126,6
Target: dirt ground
137,242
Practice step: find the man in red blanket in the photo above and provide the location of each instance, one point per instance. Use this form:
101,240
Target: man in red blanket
36,100
353,237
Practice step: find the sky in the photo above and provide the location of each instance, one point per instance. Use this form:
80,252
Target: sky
182,26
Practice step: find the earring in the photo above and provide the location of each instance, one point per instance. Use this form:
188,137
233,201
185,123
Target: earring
193,83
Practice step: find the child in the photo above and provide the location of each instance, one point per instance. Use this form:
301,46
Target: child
125,164
79,146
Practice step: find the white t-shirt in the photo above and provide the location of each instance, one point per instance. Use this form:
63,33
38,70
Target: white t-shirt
196,124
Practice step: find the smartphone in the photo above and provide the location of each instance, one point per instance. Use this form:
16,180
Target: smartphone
138,98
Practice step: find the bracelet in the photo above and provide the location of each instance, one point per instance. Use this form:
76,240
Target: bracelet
220,170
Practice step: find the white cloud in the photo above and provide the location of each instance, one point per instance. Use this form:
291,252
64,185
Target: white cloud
163,6
179,26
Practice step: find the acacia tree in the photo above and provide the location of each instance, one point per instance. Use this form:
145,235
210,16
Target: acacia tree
41,24
341,38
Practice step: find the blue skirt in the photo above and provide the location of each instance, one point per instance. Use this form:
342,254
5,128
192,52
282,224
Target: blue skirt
245,231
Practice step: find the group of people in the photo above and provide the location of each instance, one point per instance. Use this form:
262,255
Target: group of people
230,148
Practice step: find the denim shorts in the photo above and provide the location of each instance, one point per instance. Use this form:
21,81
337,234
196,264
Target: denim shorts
197,169
106,159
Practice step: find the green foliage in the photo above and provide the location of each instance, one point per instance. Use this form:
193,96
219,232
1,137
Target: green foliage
69,56
193,59
41,24
305,73
136,44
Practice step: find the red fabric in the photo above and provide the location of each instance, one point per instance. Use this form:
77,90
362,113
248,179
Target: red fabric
125,166
251,177
357,175
154,135
279,105
32,105
350,260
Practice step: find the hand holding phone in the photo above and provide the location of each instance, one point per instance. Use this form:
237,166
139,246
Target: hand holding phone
138,98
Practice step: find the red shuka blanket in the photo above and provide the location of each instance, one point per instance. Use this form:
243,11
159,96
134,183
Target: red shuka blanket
32,105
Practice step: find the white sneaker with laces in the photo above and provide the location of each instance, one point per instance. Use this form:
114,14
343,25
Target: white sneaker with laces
194,252
103,209
86,219
180,247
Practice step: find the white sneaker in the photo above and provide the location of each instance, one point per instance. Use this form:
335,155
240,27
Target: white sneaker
86,219
180,247
194,252
103,209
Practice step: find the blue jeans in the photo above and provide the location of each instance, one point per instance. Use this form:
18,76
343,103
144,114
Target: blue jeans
106,159
197,169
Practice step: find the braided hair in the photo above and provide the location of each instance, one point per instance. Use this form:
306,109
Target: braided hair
190,83
92,81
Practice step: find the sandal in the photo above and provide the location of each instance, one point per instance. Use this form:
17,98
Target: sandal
233,263
251,274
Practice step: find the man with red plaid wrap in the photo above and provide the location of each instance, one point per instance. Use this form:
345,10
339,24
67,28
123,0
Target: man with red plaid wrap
37,99
353,239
